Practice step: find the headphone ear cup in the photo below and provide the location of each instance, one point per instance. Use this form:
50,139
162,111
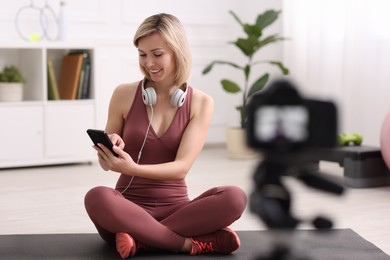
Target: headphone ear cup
149,96
178,97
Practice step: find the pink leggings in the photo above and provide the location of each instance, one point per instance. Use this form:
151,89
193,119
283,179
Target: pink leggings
166,226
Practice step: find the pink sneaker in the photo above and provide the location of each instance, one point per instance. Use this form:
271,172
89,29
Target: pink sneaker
125,245
223,241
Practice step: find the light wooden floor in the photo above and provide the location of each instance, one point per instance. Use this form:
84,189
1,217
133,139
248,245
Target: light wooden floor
50,199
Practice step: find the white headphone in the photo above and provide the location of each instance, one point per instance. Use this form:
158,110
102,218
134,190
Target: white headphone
149,95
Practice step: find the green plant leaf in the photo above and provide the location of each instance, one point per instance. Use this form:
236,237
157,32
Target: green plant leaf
208,68
11,74
267,18
280,65
236,17
252,30
248,46
230,86
247,71
258,84
268,40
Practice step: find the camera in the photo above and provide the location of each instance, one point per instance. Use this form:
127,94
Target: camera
281,120
290,131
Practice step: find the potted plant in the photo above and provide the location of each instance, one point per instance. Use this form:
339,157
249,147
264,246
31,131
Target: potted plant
11,84
250,45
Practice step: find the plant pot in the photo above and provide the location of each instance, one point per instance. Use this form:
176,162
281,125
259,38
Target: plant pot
11,91
236,144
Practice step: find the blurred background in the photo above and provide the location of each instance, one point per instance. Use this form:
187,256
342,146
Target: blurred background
335,50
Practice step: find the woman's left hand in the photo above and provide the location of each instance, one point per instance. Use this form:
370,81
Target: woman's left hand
117,140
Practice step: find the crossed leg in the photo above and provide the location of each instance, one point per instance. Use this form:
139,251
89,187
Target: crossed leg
214,209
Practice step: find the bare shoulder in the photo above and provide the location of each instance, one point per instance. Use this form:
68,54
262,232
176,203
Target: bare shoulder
201,102
200,96
122,99
125,91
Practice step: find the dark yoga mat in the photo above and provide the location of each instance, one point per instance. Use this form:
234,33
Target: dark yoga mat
311,244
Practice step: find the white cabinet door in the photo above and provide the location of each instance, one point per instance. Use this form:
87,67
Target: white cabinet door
20,133
65,130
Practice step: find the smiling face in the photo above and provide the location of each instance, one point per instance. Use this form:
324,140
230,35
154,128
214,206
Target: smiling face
156,59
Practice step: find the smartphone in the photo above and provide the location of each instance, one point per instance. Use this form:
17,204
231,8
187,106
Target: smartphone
99,136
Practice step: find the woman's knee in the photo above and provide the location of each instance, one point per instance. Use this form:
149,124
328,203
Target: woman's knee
96,198
236,199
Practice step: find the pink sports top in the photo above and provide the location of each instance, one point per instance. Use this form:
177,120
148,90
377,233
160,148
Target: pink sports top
149,192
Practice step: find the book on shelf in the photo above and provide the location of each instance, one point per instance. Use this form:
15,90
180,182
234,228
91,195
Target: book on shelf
70,75
87,80
85,74
53,93
81,79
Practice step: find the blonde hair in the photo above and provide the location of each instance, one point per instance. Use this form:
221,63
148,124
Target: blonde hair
172,31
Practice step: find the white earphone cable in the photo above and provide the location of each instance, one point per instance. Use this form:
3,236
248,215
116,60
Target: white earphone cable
142,147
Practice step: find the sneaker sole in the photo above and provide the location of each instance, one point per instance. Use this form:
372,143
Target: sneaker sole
124,245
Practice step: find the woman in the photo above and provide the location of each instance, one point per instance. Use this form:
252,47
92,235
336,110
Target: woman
158,127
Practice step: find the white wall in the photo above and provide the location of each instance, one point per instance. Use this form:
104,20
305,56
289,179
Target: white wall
341,50
110,25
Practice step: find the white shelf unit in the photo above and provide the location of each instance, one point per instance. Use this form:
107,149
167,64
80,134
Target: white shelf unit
38,131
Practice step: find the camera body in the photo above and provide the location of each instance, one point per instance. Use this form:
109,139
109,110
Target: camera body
280,120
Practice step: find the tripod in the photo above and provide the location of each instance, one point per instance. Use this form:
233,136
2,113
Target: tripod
272,202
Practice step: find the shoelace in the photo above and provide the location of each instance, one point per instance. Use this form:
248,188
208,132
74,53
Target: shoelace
204,247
